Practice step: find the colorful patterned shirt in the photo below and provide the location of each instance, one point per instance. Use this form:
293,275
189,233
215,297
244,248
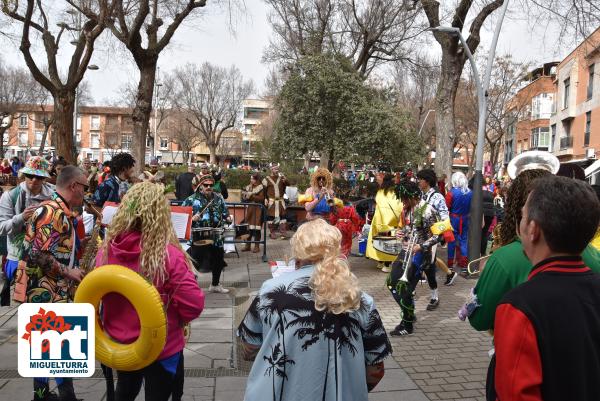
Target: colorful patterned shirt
437,200
306,354
49,232
213,216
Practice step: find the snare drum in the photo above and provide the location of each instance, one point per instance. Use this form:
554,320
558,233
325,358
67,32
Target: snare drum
205,235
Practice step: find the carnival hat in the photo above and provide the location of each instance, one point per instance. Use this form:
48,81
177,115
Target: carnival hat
204,166
36,166
199,179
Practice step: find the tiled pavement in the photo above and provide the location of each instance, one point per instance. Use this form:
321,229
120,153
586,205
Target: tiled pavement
443,360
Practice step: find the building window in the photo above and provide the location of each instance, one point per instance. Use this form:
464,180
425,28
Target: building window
94,140
38,138
553,139
95,122
23,139
590,87
23,121
126,141
78,138
149,141
567,85
78,122
164,143
588,125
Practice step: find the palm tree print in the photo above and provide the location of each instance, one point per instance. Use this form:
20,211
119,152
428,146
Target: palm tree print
288,310
277,362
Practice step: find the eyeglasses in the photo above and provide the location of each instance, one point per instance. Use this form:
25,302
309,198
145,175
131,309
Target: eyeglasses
31,177
321,179
207,185
85,186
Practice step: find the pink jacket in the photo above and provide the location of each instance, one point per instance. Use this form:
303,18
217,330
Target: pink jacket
180,291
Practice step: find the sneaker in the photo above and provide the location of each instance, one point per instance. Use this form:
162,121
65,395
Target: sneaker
464,271
386,269
49,396
218,289
450,278
380,265
402,330
433,304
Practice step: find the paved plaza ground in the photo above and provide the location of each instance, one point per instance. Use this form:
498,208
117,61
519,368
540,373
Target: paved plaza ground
443,360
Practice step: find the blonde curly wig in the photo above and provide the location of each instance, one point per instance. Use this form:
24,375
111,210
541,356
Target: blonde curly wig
334,287
321,172
144,208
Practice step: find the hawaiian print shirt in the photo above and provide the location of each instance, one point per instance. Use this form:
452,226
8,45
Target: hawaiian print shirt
214,215
437,200
49,230
306,354
111,190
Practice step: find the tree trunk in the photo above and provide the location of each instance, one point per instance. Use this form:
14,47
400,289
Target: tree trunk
324,160
444,113
3,130
212,150
64,144
142,110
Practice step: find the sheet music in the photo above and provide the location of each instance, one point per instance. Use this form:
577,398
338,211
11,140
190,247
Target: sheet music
280,267
180,223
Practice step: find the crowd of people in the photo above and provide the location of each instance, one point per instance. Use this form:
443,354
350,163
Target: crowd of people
536,293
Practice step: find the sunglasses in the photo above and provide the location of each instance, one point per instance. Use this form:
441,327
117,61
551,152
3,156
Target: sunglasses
321,179
31,177
207,185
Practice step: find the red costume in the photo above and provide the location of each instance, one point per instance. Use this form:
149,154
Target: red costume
348,222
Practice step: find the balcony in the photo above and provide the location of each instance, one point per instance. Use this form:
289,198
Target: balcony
566,142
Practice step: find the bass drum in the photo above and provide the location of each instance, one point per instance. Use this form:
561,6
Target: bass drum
388,245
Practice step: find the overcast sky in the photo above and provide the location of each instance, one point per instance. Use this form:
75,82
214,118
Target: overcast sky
211,40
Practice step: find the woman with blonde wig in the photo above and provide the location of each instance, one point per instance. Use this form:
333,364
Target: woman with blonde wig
313,325
141,237
320,194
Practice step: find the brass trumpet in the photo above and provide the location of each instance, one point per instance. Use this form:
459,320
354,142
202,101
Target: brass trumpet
408,254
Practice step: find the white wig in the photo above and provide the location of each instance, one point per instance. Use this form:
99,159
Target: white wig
459,180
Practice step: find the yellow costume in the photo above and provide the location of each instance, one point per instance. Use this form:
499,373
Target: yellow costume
387,216
596,240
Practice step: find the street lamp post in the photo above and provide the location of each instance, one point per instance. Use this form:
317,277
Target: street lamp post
476,211
424,121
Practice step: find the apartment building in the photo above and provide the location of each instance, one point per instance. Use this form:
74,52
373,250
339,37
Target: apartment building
575,122
255,112
530,112
101,133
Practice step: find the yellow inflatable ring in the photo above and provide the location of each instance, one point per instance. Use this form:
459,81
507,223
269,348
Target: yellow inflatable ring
148,305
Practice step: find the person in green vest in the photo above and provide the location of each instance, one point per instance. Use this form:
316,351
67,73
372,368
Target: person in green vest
508,266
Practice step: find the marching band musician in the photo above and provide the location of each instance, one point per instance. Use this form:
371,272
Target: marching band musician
209,211
321,193
421,231
142,239
49,255
274,190
154,175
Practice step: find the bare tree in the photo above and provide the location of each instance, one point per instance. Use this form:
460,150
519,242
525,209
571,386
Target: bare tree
46,117
34,16
414,86
503,103
211,97
145,27
16,89
366,32
230,145
183,134
452,63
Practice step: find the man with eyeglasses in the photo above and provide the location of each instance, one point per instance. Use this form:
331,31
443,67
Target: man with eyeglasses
16,207
210,212
49,253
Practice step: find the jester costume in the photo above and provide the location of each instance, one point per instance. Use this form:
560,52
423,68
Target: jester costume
424,227
459,204
348,222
